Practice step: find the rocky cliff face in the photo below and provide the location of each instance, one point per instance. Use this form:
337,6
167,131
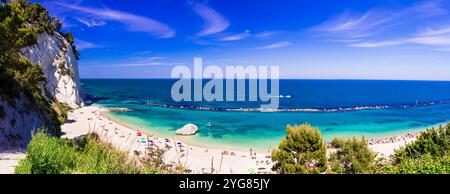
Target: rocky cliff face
55,56
19,119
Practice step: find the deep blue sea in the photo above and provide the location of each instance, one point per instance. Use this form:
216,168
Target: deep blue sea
337,107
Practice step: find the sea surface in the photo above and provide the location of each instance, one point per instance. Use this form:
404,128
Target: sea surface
339,108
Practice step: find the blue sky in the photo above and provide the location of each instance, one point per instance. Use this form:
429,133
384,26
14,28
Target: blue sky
321,39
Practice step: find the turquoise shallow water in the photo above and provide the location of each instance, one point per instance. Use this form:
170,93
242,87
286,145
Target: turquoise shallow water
263,130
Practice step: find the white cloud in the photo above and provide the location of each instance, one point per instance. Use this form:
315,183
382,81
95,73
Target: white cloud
439,40
90,23
389,27
141,60
377,20
234,37
442,49
267,34
378,44
429,8
277,45
428,31
435,37
134,22
82,45
214,22
351,26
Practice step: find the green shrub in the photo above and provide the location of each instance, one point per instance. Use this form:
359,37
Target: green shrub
424,164
88,155
352,156
48,155
62,110
433,142
301,151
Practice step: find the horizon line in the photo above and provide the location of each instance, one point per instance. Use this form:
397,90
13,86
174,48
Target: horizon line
329,79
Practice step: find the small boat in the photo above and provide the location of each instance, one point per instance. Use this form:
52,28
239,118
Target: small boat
209,124
288,96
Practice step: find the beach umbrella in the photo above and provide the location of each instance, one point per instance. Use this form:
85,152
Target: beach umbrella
139,133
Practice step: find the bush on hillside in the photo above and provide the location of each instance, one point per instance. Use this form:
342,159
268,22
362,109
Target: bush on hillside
352,156
301,151
88,155
433,142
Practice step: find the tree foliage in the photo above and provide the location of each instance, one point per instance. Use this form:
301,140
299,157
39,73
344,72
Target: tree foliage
434,142
424,164
352,156
301,151
20,24
303,146
429,154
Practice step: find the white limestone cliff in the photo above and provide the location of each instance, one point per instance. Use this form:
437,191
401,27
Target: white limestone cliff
18,117
55,56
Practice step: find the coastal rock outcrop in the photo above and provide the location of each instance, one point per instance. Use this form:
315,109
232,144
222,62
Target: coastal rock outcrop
20,117
57,60
18,120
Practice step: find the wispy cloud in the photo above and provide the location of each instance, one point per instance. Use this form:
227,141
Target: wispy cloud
429,31
442,49
378,44
355,26
90,23
121,65
377,20
429,8
435,40
234,37
429,37
388,27
214,22
138,64
144,62
65,23
134,22
277,45
83,45
267,34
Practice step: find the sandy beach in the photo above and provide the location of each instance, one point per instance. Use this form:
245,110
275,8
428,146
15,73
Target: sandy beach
196,159
9,158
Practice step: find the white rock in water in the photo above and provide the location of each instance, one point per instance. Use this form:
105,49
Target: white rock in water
189,129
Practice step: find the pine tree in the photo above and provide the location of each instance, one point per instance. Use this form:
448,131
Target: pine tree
302,151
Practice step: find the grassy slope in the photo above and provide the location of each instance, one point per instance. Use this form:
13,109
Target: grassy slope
88,155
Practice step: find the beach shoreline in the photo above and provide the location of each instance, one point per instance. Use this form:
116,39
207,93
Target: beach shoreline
198,159
408,135
177,137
